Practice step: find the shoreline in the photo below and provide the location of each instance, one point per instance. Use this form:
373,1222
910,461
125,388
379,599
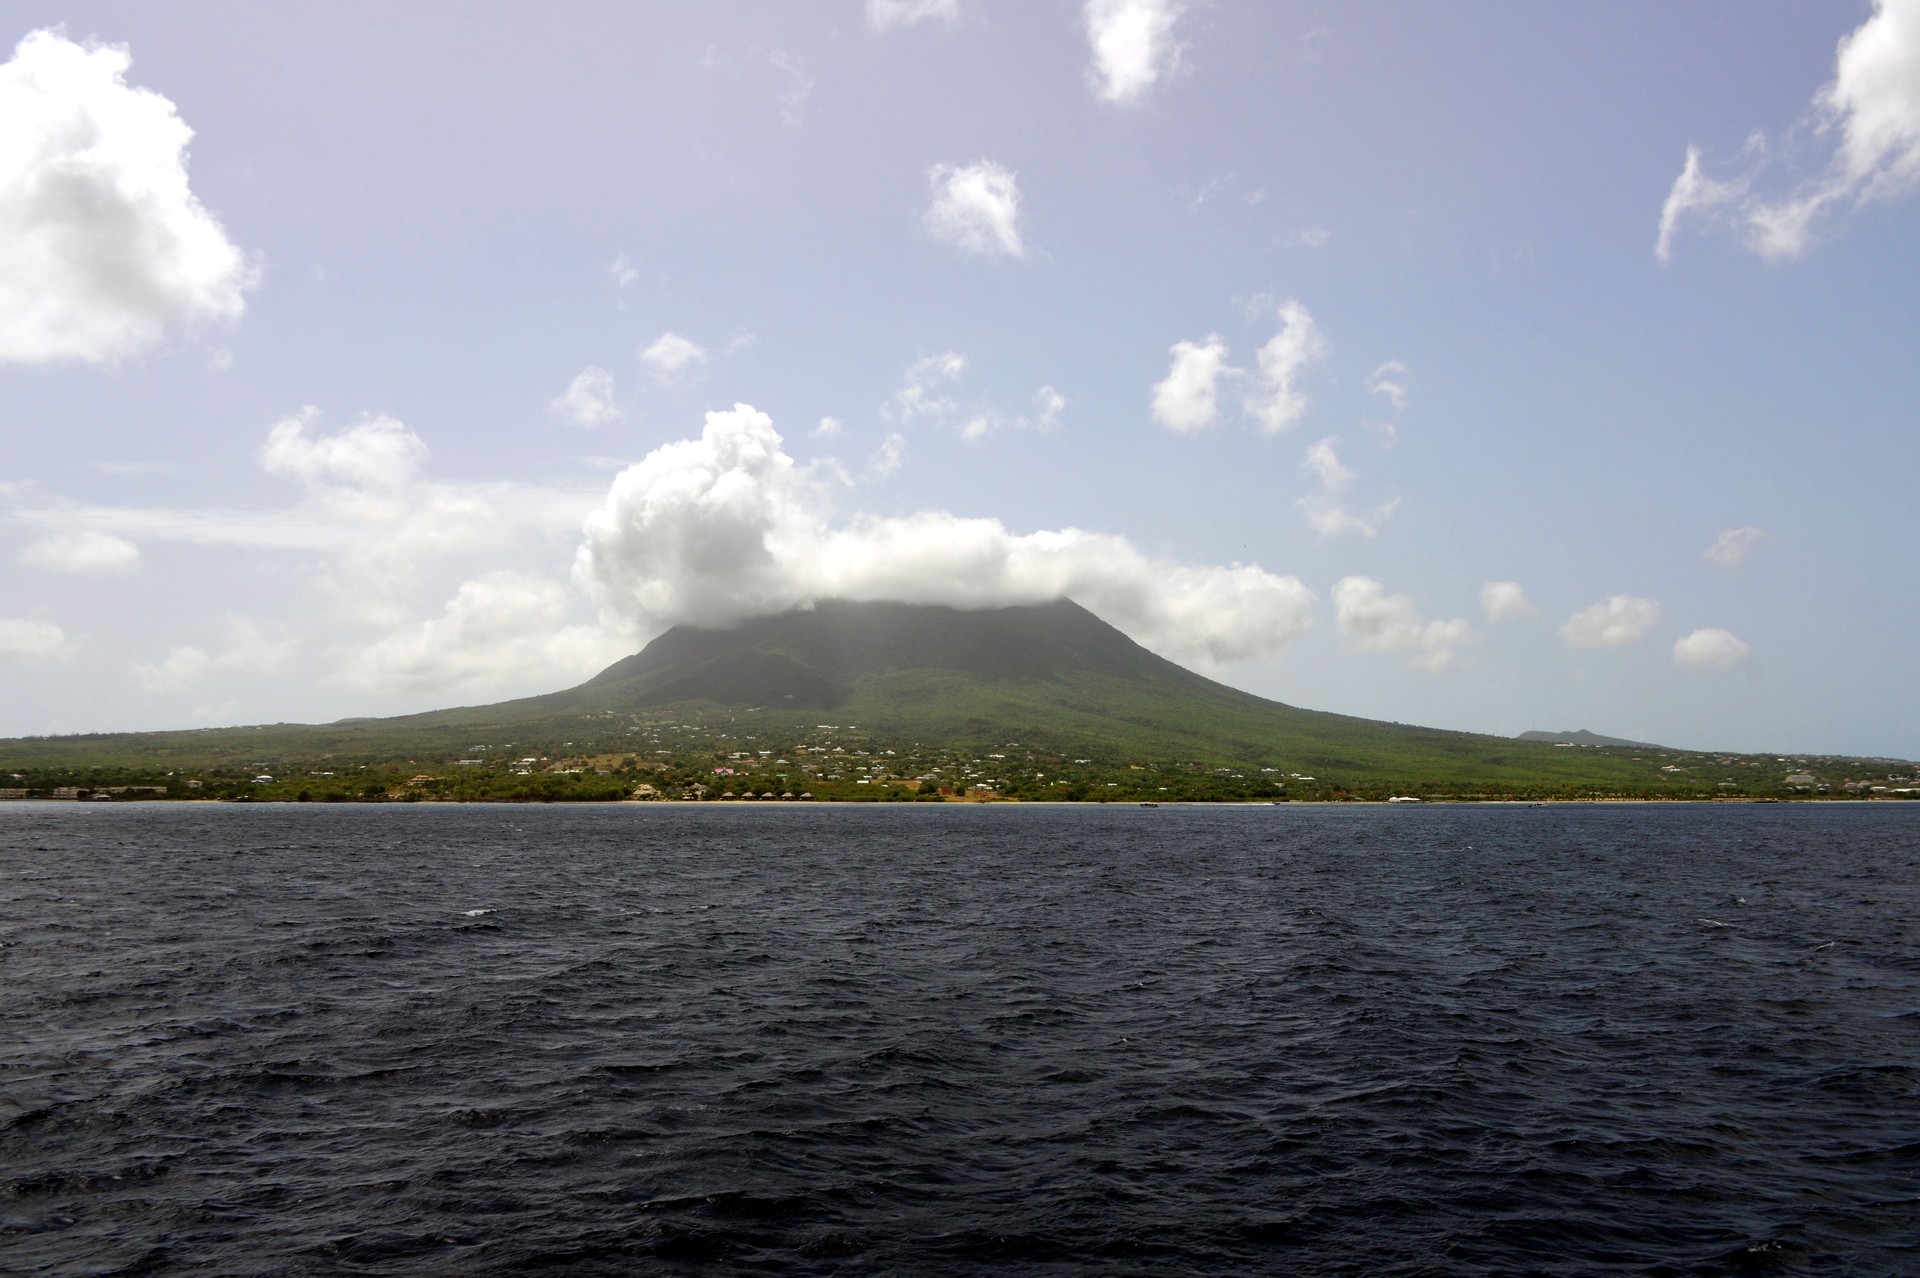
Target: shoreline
957,803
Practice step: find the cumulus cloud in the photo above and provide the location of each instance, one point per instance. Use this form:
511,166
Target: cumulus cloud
22,639
1276,402
829,428
1621,620
378,452
1868,118
1326,510
588,400
621,271
246,648
106,245
502,630
1132,44
1379,622
1710,649
85,553
885,15
975,207
1188,399
670,355
1732,547
1505,601
714,530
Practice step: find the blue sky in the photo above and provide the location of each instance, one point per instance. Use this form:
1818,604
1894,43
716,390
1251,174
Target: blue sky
1501,367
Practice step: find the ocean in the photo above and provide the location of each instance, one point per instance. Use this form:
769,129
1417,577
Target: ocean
945,1039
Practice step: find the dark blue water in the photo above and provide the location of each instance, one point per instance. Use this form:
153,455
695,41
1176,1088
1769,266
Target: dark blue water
926,1040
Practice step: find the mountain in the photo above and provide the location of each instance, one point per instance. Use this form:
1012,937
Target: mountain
1581,737
1051,677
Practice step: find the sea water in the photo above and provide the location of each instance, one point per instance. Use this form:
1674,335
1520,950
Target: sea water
925,1039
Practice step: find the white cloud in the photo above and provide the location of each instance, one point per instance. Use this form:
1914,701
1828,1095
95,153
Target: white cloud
885,15
921,396
363,481
106,245
1390,379
889,456
1188,399
501,631
366,529
378,452
1379,622
1132,44
1326,510
588,400
713,530
23,640
1621,620
1288,354
85,553
926,395
1710,649
1732,547
1694,196
1870,111
671,354
622,271
975,207
799,86
247,649
829,428
1048,404
1505,601
1324,464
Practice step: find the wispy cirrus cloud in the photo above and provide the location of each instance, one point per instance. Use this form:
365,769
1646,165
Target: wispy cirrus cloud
1865,123
928,394
1326,510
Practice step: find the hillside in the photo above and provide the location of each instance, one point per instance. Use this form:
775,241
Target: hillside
1581,737
1050,684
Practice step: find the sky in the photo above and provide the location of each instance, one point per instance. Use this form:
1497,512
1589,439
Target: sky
1492,367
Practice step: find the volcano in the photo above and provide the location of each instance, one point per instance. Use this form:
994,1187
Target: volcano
1051,676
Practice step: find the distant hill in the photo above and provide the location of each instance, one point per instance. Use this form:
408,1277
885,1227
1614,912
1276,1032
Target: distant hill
1052,677
1581,737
